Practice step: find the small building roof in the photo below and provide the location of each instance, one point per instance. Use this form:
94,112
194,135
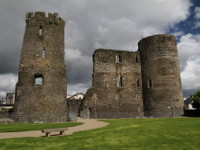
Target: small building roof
72,97
188,101
8,95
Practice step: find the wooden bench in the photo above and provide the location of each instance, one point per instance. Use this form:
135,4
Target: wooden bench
48,131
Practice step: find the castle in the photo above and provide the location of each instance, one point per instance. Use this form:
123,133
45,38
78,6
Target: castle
41,87
136,84
125,84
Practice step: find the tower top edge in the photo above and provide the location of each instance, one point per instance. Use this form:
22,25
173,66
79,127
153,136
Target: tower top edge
158,36
43,15
114,50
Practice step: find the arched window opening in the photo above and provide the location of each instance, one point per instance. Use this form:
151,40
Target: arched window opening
43,53
118,58
138,82
41,30
119,81
39,80
149,83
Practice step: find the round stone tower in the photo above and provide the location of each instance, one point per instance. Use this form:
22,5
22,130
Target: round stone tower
162,90
41,87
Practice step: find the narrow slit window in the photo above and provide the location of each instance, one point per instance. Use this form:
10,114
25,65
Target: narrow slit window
136,59
119,81
118,58
41,30
149,83
43,53
138,82
39,80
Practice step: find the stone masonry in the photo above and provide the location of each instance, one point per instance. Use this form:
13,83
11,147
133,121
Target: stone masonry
41,87
117,85
136,84
162,90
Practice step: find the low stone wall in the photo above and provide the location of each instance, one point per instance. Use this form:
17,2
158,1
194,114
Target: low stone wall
4,115
42,118
5,118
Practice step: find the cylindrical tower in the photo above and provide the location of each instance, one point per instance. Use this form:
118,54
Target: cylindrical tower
41,87
162,90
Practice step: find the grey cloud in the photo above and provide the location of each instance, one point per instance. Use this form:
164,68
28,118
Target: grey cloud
7,84
91,24
79,67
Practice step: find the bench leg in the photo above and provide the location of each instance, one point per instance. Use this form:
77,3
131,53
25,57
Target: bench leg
61,132
47,134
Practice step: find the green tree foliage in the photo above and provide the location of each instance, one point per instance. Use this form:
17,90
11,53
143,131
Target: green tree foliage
196,100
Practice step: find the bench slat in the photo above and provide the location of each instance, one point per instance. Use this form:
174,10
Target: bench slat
48,131
56,129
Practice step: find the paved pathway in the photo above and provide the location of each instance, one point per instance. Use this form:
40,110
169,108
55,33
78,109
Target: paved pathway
88,125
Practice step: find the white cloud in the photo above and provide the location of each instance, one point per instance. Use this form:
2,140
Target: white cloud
188,47
7,84
116,24
197,12
2,94
117,34
197,24
197,17
179,33
189,52
77,88
190,75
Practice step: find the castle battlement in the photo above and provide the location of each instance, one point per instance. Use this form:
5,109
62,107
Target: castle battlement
114,50
39,15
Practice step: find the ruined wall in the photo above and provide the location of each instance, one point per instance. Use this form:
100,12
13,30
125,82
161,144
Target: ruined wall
160,94
74,105
162,91
117,90
41,87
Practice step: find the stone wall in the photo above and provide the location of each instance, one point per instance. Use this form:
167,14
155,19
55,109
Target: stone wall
162,90
117,88
5,115
74,105
149,81
41,87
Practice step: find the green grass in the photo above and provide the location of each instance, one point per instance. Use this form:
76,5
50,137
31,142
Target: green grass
123,134
35,126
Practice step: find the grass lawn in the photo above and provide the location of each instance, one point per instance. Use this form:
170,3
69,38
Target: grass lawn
122,134
35,126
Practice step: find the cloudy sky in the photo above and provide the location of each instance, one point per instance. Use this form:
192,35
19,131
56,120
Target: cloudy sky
92,24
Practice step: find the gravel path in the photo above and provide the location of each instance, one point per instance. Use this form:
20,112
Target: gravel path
88,125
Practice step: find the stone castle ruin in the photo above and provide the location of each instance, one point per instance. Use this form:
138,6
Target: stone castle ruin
136,84
125,84
41,87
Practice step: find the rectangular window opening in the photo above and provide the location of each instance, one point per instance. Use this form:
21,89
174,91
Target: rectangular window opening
136,59
43,53
149,83
39,80
41,31
118,58
119,81
138,82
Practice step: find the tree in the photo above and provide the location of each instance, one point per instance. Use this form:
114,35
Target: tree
196,100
